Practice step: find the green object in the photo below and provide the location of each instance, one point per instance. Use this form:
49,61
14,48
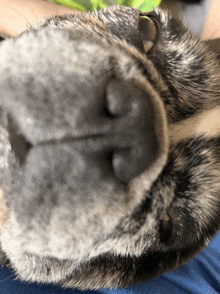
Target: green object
89,5
143,5
71,4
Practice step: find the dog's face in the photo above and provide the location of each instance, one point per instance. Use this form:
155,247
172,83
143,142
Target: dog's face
100,185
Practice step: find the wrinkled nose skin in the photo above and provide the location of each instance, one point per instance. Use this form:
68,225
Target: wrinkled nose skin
95,126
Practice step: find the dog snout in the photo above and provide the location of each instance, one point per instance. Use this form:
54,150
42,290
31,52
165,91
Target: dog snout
103,99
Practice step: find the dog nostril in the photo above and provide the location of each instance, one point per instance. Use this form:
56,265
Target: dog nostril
165,229
124,165
107,113
129,163
119,96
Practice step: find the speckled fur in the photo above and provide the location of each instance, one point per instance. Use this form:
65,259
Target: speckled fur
114,239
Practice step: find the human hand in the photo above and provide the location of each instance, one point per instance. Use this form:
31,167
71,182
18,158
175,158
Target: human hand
17,16
211,28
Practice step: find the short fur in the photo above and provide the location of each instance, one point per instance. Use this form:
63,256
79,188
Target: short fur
75,215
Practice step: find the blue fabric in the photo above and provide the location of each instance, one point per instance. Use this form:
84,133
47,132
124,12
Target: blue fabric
200,275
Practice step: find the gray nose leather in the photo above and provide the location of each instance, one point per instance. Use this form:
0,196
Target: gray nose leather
124,151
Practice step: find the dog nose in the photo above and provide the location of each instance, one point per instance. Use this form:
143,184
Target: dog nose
117,130
124,145
111,124
135,144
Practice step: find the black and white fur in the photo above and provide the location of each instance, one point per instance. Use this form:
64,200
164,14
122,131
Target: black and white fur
109,154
